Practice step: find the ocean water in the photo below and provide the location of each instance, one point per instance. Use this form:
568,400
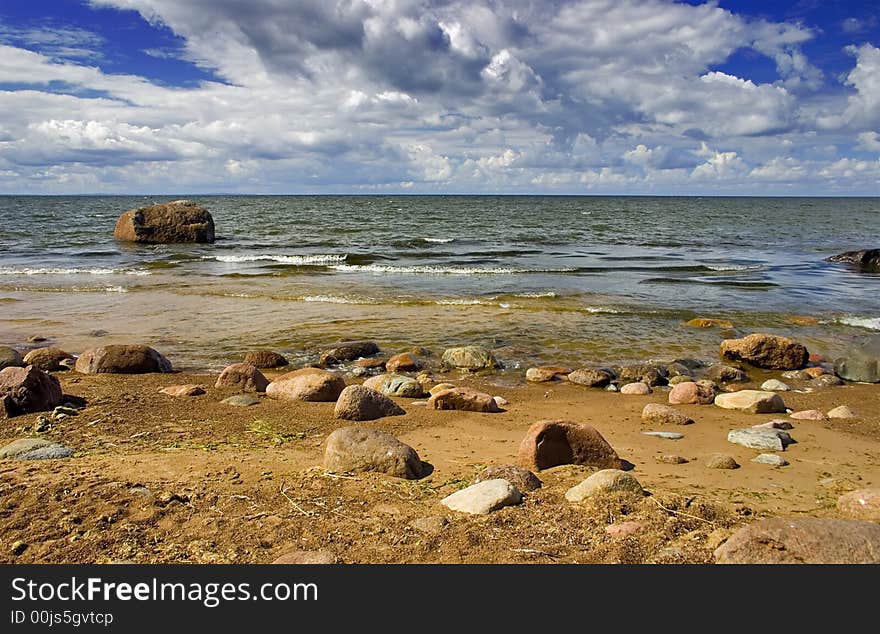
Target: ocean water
573,280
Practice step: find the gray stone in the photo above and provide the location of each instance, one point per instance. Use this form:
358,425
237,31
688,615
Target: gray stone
483,498
241,400
771,459
472,358
770,439
752,401
34,449
668,435
774,385
605,481
347,351
860,363
360,449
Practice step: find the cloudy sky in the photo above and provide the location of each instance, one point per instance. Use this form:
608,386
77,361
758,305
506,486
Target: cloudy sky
425,96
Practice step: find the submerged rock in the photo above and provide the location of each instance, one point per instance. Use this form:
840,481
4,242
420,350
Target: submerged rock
347,351
464,399
403,362
544,373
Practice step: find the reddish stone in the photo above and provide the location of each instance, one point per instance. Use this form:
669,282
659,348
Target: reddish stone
464,399
242,376
549,443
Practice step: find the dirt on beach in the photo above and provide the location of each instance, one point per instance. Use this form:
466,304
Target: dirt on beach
162,479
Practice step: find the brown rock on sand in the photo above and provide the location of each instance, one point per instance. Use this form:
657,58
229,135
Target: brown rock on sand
463,399
360,449
307,384
590,377
403,362
178,221
26,390
121,359
521,478
48,359
242,376
766,351
302,557
549,443
347,351
691,393
544,373
183,390
863,504
265,359
357,402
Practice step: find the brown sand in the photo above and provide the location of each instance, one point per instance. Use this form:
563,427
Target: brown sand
161,479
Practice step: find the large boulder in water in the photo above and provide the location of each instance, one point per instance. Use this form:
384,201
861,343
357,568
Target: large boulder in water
121,359
766,351
867,259
178,221
26,390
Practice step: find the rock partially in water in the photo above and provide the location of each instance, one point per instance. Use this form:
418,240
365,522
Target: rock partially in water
265,359
860,363
770,459
174,222
864,259
403,362
702,322
471,358
766,351
774,385
842,411
650,375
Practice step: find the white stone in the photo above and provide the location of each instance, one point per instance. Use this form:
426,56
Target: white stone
605,481
753,401
771,459
483,498
842,412
774,385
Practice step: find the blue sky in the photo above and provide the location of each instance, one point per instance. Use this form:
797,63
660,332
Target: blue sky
459,96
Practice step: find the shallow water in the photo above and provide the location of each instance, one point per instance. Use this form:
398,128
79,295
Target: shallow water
572,280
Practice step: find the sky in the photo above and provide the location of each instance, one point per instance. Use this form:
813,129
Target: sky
647,97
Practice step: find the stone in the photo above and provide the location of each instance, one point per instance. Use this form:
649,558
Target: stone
590,377
183,390
667,435
701,322
178,221
307,384
500,401
676,370
798,375
641,373
864,259
357,402
49,359
721,461
522,479
359,449
483,498
440,387
769,439
774,424
265,359
681,378
664,415
826,380
808,414
611,388
471,358
771,459
396,385
766,351
242,376
802,540
752,401
842,411
671,458
10,358
241,400
306,557
636,389
605,481
722,373
549,443
403,362
544,373
122,359
815,372
774,385
464,399
860,363
370,363
690,393
623,530
431,525
863,504
347,351
34,449
26,390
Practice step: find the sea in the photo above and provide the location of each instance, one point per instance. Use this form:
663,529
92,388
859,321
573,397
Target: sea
570,280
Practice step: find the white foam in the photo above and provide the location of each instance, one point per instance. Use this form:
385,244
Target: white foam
462,302
439,270
735,267
871,323
439,240
62,271
536,295
334,299
602,310
297,260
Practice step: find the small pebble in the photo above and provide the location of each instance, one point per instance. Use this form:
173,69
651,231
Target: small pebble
771,459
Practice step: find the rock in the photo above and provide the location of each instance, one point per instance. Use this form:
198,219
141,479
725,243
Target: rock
865,259
808,414
183,390
721,461
26,390
691,364
241,400
360,449
674,370
860,363
122,359
471,358
816,372
667,435
681,378
242,376
544,373
431,525
440,387
464,399
802,540
798,375
308,384
766,351
49,359
691,393
10,358
404,362
303,557
605,481
549,443
863,504
773,385
664,415
395,385
826,380
771,459
701,322
34,449
623,529
774,424
671,458
483,498
178,221
500,401
843,411
611,388
522,479
769,439
636,389
722,373
347,351
752,401
641,373
265,359
370,364
590,377
357,402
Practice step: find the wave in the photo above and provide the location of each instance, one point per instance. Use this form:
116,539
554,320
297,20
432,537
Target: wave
319,259
335,299
438,240
74,271
67,289
441,270
734,267
550,294
871,323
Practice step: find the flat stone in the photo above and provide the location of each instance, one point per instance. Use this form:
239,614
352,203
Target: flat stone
721,461
183,390
774,385
521,478
241,400
483,498
863,504
771,459
34,449
431,525
668,435
463,399
347,351
808,414
472,358
766,351
842,411
671,458
774,424
770,439
544,373
590,377
664,415
752,401
605,481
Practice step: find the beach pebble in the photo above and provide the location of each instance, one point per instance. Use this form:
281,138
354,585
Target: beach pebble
122,359
752,401
808,414
668,435
303,557
361,449
483,498
636,389
472,358
27,390
347,351
183,390
721,373
623,529
769,439
307,384
826,380
419,403
549,443
774,424
611,388
843,411
242,376
463,399
431,525
863,504
689,392
521,478
774,385
664,415
34,449
544,373
403,362
605,481
265,359
396,385
766,351
357,402
590,377
771,459
671,458
721,461
49,359
241,400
